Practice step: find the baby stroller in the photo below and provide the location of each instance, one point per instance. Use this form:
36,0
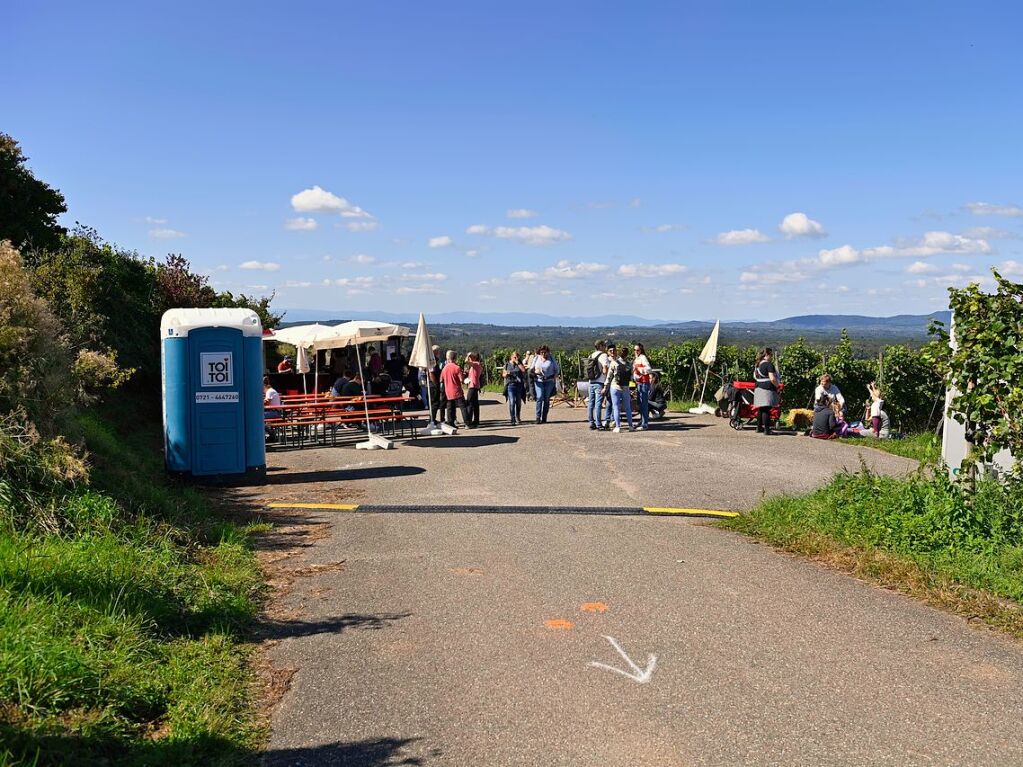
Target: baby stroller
741,412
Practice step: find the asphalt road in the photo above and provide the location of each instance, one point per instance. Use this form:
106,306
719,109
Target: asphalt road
469,639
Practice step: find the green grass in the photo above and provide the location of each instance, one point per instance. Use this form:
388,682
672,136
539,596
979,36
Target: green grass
682,405
925,447
123,613
921,535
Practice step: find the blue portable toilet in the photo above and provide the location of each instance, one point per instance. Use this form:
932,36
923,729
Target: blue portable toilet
212,363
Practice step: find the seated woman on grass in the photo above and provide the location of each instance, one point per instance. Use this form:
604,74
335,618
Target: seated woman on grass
825,425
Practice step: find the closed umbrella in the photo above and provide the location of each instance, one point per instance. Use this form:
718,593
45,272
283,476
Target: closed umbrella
302,365
422,357
707,357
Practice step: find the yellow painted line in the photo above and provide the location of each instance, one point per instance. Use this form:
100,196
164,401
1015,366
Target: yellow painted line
690,512
338,506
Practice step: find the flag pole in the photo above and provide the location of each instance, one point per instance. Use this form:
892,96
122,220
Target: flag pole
373,441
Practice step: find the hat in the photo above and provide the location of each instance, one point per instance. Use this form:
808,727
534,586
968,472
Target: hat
435,348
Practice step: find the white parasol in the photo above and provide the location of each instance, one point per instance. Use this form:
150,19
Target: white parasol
422,357
707,357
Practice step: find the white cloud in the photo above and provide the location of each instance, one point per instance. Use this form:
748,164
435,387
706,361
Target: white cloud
440,242
362,258
651,270
472,253
265,266
166,234
318,200
300,224
841,256
528,235
524,276
1010,269
353,282
521,213
990,209
930,244
297,284
567,270
635,202
921,267
741,237
989,233
412,265
155,221
417,289
800,225
362,226
662,228
427,277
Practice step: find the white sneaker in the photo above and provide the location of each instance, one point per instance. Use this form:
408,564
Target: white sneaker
617,430
641,428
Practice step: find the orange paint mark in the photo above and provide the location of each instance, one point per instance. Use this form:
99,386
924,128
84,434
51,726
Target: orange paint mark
594,607
558,624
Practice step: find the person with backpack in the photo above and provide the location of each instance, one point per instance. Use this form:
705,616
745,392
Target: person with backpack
596,373
545,375
641,371
765,395
619,375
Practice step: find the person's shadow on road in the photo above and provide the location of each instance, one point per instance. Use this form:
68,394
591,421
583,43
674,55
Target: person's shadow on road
466,440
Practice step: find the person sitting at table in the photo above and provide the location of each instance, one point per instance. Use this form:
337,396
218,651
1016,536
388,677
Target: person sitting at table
284,366
338,386
354,386
824,421
271,408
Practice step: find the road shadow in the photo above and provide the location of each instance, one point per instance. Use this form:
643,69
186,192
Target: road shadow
467,440
676,425
344,475
270,628
376,752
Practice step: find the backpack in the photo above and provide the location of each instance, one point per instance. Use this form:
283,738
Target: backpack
593,370
623,373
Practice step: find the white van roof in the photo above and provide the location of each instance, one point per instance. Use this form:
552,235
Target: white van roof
178,323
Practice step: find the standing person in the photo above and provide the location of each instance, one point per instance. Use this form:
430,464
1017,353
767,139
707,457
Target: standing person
596,372
528,358
474,372
545,375
440,402
641,371
765,396
617,388
514,387
879,422
284,366
451,383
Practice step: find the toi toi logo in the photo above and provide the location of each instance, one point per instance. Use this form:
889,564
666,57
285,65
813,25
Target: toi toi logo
220,372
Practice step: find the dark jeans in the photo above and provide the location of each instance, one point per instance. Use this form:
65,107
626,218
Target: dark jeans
460,404
472,405
514,394
764,419
436,404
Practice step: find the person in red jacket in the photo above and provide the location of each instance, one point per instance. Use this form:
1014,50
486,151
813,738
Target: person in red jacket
451,383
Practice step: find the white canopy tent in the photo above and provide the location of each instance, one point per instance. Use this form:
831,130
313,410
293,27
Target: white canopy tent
422,357
359,332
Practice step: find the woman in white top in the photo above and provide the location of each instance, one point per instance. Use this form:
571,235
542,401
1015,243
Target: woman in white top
878,417
641,371
617,387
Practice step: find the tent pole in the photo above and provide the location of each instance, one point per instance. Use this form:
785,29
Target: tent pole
365,391
704,389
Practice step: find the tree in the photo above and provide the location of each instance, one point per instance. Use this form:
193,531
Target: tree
986,369
799,365
28,207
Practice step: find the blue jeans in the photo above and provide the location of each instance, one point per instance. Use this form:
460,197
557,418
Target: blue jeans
514,393
643,392
544,392
621,399
593,403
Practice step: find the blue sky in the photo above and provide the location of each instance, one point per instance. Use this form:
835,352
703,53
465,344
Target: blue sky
670,160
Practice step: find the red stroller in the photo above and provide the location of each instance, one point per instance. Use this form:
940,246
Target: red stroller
740,405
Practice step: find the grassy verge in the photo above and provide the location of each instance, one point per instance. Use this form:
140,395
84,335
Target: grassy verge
921,535
123,608
925,447
682,405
